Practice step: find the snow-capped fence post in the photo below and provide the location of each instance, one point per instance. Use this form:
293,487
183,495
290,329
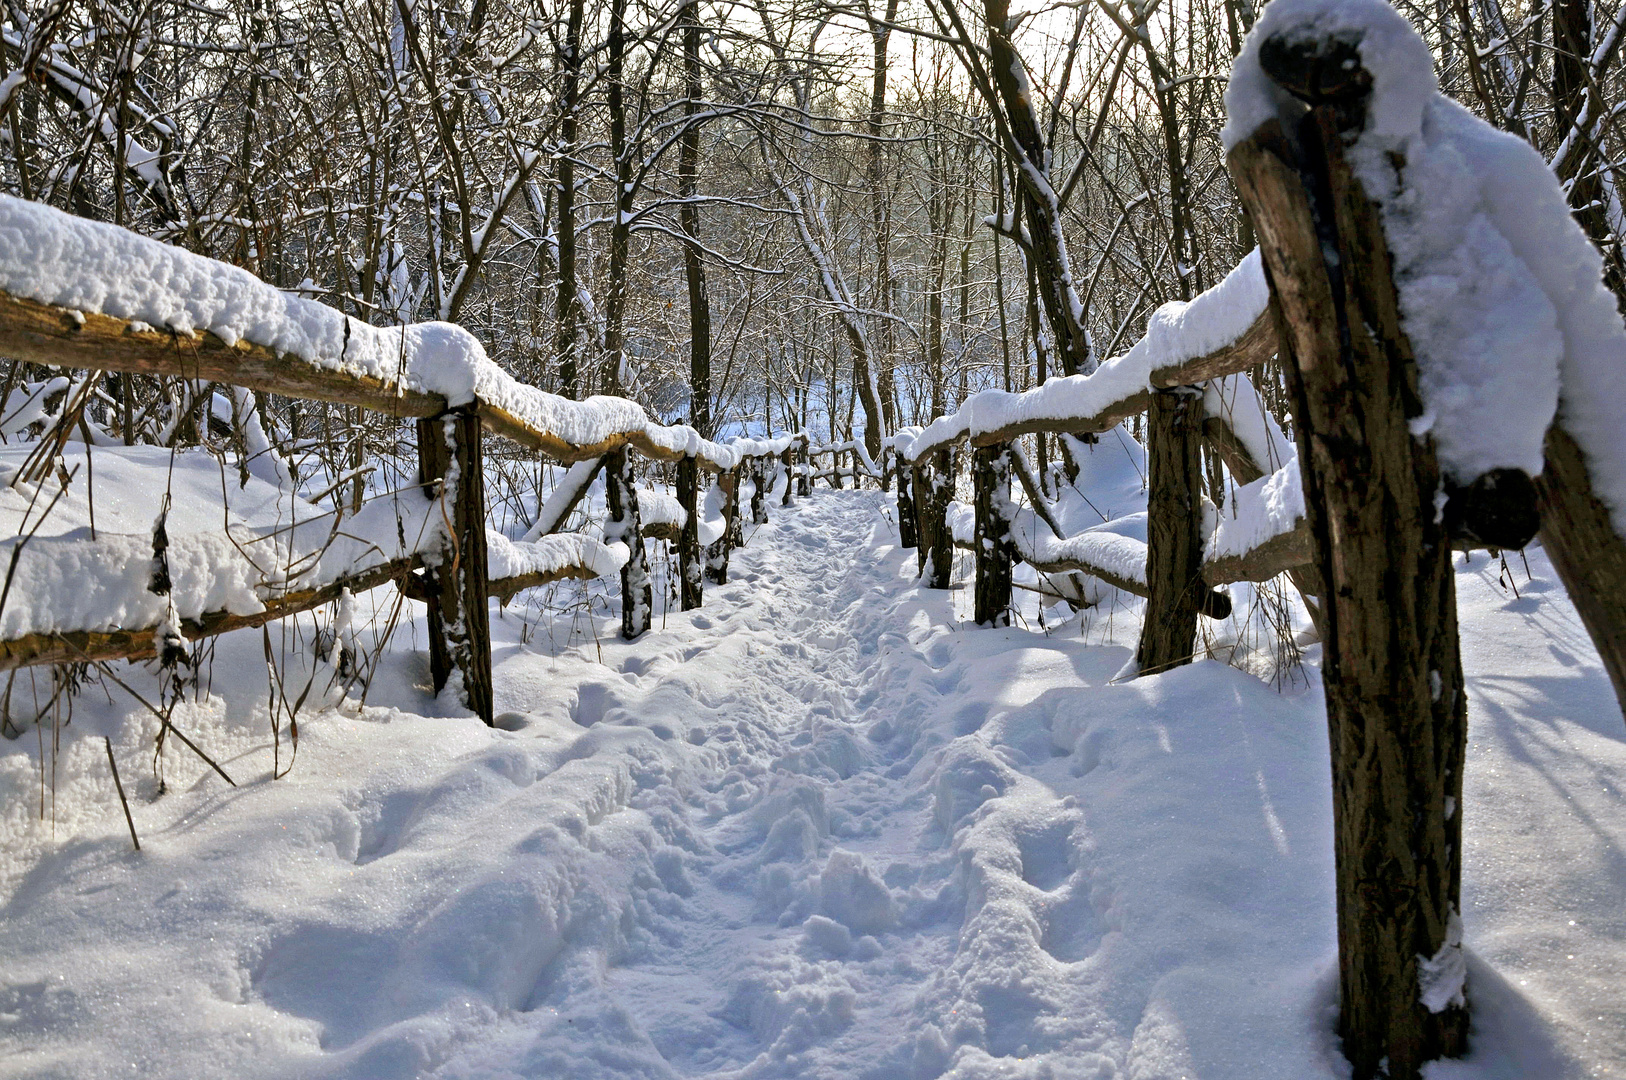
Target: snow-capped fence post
1396,709
804,479
455,578
717,552
994,548
689,561
906,502
759,505
1174,524
624,524
934,489
785,461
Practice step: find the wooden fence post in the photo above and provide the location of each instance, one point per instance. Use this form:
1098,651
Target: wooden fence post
785,459
906,503
455,576
994,548
934,490
689,562
717,552
804,482
621,492
759,501
1396,709
1174,521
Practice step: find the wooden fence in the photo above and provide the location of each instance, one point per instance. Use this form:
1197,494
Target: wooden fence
1371,550
447,568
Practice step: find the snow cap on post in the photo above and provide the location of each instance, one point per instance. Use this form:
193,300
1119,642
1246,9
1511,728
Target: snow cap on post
1480,307
1398,64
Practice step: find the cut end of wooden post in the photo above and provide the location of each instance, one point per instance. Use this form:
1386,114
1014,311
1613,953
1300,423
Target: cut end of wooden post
1321,71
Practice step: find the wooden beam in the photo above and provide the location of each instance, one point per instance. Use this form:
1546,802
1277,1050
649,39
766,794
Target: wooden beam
60,337
63,337
1257,344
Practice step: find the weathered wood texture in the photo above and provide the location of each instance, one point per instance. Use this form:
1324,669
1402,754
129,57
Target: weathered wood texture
1586,551
804,479
934,490
717,552
994,548
1256,345
1174,543
61,337
690,586
786,463
759,497
621,493
1393,677
906,503
449,466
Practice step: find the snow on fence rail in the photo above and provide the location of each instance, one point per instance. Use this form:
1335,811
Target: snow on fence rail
81,294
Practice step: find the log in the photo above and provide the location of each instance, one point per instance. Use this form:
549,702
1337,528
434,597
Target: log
1396,707
455,578
1284,553
637,595
1256,345
804,482
790,476
62,337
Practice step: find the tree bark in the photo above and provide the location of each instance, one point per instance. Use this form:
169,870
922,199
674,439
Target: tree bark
1586,551
694,268
1174,544
459,616
995,550
689,561
906,502
1396,708
718,551
637,596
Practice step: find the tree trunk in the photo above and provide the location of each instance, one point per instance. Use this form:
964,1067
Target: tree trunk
615,296
694,269
567,306
1396,710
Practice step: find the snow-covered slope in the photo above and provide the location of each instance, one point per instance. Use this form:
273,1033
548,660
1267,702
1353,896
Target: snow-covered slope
822,828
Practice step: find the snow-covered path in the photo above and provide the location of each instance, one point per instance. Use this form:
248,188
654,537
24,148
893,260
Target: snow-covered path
820,828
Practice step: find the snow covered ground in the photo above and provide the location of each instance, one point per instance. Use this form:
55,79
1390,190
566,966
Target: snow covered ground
821,828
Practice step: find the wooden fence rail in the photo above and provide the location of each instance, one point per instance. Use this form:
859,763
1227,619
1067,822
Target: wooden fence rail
450,573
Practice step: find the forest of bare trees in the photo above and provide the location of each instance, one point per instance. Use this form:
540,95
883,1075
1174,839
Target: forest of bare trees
782,213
